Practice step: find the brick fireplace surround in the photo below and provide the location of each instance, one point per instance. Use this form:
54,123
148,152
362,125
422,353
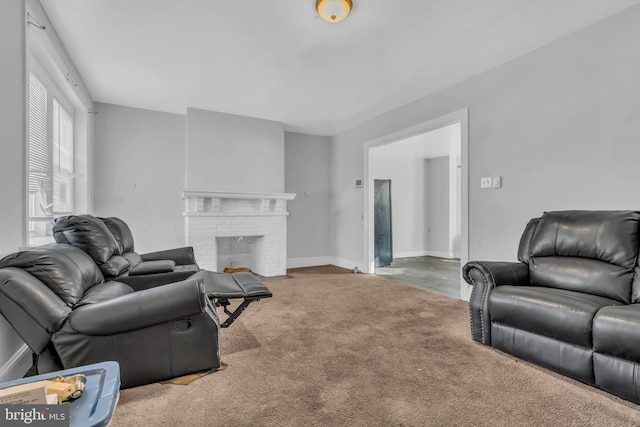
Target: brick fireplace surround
260,219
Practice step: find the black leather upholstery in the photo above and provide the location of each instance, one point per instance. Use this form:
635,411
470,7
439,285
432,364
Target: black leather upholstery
616,332
56,299
119,262
123,235
570,303
109,242
121,232
555,313
88,233
237,285
67,271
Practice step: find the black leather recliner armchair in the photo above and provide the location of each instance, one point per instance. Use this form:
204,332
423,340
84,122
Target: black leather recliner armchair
571,303
57,300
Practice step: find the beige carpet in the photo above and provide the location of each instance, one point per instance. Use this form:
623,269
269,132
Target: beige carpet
333,348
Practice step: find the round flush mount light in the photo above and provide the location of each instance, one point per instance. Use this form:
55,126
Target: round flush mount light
333,10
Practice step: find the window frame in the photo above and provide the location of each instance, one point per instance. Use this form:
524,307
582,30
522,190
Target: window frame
46,58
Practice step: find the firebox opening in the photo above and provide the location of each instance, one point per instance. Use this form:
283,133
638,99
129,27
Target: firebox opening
238,251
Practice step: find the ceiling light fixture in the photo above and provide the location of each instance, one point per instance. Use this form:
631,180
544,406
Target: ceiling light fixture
333,10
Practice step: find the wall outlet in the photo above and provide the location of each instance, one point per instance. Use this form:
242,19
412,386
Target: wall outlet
485,182
496,182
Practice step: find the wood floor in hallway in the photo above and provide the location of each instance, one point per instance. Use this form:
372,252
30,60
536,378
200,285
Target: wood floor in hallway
440,275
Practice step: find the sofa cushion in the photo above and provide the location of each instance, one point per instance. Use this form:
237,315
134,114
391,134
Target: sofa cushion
616,332
121,232
555,313
587,251
609,236
88,233
133,258
66,270
114,266
582,275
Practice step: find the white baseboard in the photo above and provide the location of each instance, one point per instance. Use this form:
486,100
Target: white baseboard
308,261
410,254
347,263
440,254
17,365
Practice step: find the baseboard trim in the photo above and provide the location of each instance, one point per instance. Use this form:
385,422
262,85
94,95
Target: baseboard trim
308,261
347,263
410,254
440,254
17,366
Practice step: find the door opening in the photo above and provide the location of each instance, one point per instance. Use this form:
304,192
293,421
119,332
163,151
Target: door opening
411,236
383,231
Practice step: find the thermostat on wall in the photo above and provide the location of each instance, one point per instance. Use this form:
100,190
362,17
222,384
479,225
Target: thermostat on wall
358,183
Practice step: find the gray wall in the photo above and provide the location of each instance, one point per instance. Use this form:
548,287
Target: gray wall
12,125
409,197
226,152
141,169
139,173
438,206
560,125
307,174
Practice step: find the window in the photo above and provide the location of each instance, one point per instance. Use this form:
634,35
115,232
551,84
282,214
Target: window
50,149
59,133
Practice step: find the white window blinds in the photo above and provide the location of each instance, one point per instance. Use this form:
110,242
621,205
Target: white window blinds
50,159
38,150
62,159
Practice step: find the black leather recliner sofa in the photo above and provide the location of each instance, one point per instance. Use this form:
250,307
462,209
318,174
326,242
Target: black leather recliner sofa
571,303
58,301
109,242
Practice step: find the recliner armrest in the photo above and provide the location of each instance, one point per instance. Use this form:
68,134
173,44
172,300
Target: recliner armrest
484,276
181,256
140,309
496,273
153,267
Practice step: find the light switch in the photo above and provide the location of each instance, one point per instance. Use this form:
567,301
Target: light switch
496,182
485,182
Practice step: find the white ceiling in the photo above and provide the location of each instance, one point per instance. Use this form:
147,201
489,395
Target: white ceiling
277,60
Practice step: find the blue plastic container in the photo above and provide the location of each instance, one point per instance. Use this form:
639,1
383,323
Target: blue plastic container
98,401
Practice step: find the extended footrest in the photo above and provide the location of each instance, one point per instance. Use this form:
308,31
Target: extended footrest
221,287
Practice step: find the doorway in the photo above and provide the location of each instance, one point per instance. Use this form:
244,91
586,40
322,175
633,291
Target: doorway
418,229
382,229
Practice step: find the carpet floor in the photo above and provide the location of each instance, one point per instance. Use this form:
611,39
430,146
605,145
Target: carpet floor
332,348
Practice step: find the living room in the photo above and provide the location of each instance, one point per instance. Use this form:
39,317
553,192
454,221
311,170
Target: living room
559,122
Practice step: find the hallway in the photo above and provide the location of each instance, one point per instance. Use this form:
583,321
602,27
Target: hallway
440,275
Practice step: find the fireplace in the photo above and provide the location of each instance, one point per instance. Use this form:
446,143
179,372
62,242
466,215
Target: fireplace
229,229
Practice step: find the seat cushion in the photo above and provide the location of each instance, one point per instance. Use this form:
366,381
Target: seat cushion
555,313
616,332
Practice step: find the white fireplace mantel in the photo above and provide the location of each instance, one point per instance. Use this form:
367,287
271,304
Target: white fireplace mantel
214,215
224,203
